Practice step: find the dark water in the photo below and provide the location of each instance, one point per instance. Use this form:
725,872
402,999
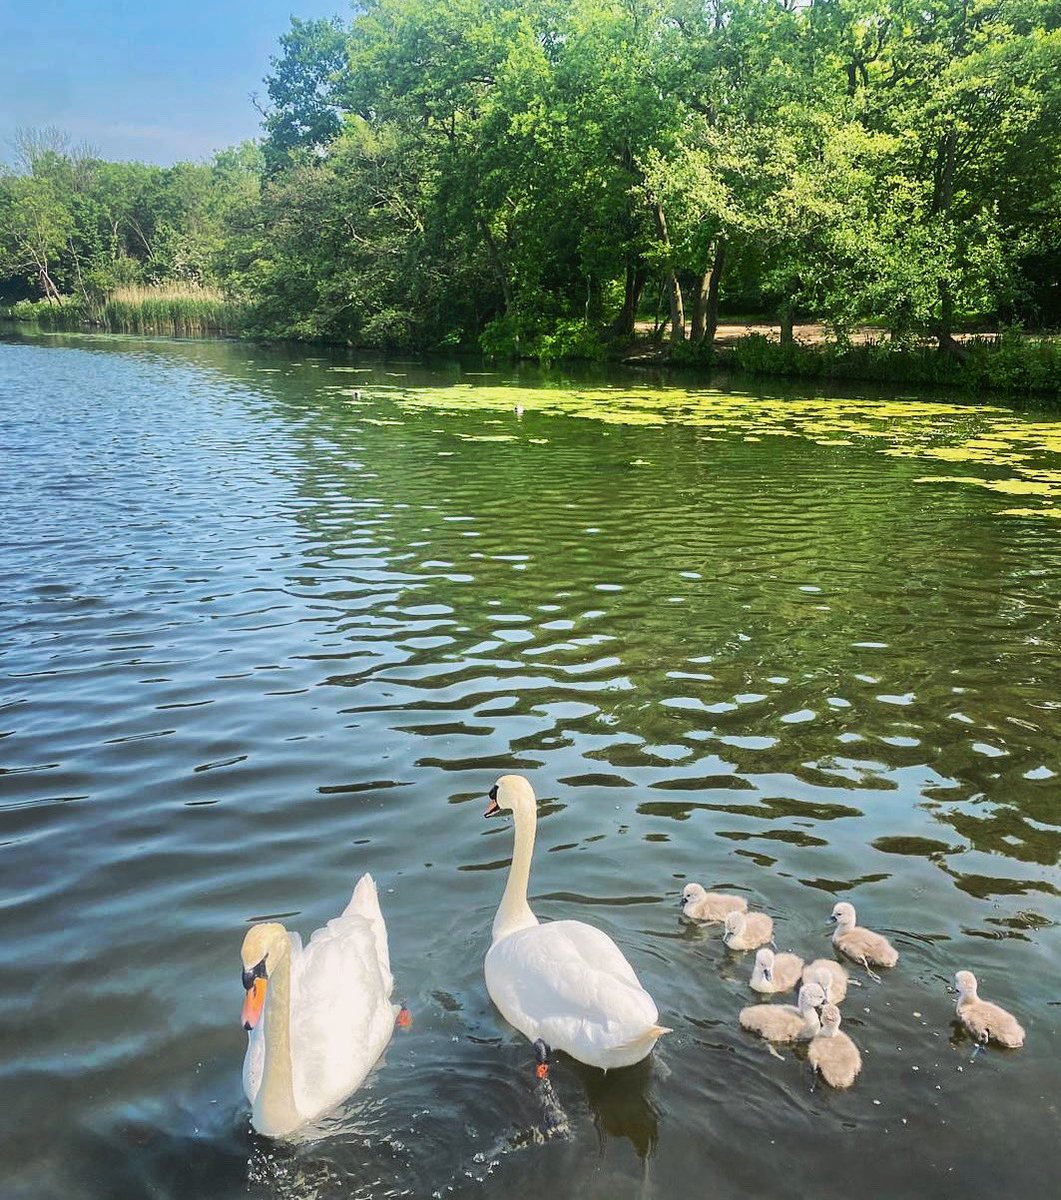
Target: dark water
258,639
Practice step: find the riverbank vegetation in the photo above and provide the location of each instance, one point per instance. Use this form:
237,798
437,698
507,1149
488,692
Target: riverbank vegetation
552,178
181,310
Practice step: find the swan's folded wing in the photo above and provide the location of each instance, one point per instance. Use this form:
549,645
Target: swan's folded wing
365,903
568,983
341,1017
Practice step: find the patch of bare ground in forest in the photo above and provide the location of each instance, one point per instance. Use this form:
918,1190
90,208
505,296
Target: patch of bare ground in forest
649,345
729,333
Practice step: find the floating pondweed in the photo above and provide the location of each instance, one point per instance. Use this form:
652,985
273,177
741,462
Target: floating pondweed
978,435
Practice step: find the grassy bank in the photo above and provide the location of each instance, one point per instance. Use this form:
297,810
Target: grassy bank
1010,362
1013,362
173,310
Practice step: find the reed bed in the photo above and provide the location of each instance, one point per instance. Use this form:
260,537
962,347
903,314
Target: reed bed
172,309
182,311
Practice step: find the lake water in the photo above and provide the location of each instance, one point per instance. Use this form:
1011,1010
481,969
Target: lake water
260,637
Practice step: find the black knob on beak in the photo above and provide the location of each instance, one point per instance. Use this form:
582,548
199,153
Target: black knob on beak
256,972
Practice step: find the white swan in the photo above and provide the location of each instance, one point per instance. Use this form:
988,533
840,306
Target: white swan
566,983
327,1012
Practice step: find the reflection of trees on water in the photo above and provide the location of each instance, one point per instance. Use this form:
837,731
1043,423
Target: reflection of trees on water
929,649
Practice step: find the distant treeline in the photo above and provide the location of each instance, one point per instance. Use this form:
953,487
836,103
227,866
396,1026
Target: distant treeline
531,177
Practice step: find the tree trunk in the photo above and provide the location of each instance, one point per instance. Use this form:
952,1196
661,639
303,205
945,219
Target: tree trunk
660,323
787,333
712,294
946,342
635,285
698,323
594,301
705,307
498,266
674,288
51,292
677,309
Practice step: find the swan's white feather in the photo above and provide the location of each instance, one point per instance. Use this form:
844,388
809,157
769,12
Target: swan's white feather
570,985
254,1061
341,1015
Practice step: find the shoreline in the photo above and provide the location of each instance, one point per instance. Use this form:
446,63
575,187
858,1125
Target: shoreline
1011,362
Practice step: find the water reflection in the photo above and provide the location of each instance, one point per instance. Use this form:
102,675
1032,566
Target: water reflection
262,639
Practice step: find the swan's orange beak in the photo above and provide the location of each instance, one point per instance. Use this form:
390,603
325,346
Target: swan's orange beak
253,1004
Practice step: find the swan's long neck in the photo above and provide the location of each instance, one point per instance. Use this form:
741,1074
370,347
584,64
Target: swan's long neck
275,1112
514,912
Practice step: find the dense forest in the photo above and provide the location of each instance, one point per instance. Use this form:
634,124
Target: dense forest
532,177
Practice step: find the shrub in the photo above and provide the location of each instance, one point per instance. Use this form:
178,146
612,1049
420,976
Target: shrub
571,339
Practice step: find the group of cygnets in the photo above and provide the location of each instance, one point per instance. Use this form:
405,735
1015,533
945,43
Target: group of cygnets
823,984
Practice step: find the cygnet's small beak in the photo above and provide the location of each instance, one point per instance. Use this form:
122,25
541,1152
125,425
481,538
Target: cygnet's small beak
494,808
253,1003
768,975
682,901
951,988
832,919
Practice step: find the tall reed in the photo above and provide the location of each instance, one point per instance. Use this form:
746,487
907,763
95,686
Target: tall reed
175,309
170,308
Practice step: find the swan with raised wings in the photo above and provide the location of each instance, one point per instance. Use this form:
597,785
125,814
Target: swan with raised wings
566,982
319,1016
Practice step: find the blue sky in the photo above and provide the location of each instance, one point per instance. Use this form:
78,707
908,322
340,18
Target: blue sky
158,80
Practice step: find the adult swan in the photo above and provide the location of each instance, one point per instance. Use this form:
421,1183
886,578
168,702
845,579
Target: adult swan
327,1013
565,983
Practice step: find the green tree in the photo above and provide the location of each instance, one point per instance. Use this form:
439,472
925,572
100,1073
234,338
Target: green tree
305,90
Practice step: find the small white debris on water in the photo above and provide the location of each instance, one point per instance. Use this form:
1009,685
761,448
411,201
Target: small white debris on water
876,1102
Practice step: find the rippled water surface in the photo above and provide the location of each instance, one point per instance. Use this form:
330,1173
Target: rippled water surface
261,635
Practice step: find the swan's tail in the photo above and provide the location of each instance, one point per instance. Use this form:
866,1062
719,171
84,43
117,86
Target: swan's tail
651,1034
365,903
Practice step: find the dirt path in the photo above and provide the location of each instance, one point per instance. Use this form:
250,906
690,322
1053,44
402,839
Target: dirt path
813,335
